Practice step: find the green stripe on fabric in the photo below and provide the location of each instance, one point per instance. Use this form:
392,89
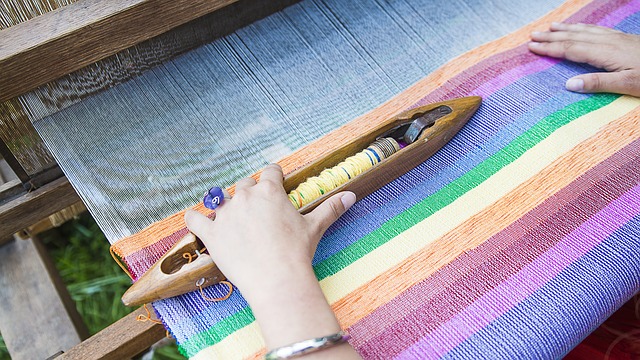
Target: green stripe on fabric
215,334
460,186
416,213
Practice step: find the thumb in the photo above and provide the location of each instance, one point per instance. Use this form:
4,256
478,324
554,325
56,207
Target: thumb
620,82
330,210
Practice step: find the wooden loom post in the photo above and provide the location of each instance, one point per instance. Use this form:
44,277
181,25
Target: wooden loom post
36,302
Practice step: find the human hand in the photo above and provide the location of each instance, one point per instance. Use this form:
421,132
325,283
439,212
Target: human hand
605,48
259,228
265,247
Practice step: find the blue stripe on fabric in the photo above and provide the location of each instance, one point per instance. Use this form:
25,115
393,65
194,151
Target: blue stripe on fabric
554,319
497,123
193,314
631,24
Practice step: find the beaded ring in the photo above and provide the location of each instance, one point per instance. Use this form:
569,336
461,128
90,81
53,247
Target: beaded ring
213,198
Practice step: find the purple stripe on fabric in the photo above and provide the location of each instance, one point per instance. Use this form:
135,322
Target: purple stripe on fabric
482,73
140,261
620,14
596,11
450,289
499,300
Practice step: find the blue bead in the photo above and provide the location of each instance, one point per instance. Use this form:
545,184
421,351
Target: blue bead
216,192
213,198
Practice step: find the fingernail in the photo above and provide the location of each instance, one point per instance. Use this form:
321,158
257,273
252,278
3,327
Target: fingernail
348,199
536,33
576,85
534,45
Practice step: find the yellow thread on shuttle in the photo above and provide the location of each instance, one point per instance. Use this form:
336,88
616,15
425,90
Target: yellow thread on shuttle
329,179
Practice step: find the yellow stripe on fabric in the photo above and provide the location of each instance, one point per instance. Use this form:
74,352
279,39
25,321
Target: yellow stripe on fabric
498,185
242,343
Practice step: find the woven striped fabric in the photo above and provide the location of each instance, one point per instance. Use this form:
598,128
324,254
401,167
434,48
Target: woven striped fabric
515,240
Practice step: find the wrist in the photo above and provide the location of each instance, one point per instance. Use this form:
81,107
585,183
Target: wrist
280,278
292,309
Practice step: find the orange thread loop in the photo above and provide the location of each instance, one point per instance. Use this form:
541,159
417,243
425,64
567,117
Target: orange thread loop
144,318
220,298
190,257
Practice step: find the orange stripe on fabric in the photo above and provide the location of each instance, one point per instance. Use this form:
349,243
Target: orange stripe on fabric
477,229
360,125
473,232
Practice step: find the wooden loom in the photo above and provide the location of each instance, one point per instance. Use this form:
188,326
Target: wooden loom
32,54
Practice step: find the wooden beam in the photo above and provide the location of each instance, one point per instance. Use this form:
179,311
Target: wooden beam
28,209
57,43
37,316
123,339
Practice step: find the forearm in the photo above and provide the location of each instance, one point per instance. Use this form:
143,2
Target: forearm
297,310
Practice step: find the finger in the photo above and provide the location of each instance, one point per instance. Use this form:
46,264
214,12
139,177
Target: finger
226,194
245,183
553,36
592,54
200,225
272,173
622,82
330,210
593,29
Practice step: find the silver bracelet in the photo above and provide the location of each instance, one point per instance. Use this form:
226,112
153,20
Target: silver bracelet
307,346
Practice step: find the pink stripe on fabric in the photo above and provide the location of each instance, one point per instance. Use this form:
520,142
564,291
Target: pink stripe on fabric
507,78
620,14
140,261
501,299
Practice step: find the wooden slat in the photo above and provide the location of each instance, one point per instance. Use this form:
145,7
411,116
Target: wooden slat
8,157
121,340
28,209
37,316
7,174
10,185
49,46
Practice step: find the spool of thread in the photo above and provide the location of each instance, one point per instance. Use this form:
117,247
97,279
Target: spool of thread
331,178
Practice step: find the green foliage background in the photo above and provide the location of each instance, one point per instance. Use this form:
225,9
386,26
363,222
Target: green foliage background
95,282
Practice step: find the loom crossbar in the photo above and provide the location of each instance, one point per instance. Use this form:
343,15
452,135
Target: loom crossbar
49,46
